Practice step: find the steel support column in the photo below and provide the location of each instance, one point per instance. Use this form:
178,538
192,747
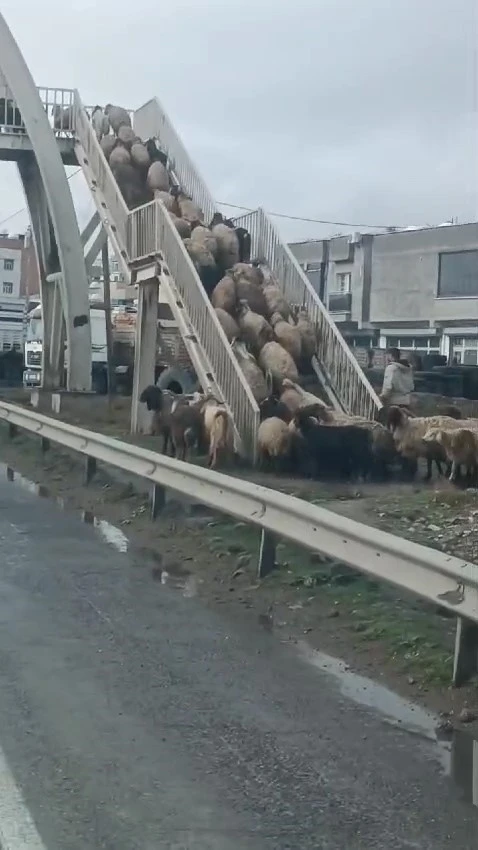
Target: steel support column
60,205
146,342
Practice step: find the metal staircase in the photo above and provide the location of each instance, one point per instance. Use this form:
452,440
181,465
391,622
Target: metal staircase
340,376
146,237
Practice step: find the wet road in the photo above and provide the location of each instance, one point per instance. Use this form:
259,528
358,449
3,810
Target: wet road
132,718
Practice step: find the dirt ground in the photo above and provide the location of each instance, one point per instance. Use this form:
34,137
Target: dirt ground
381,633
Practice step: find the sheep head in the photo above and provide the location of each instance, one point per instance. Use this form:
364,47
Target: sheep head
152,397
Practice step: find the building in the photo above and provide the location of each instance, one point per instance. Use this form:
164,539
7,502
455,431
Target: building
416,289
119,290
19,275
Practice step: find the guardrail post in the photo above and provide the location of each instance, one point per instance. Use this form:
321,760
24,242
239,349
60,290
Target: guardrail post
267,554
45,445
90,469
158,500
12,430
465,664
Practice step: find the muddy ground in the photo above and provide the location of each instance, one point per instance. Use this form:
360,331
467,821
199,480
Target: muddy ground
382,633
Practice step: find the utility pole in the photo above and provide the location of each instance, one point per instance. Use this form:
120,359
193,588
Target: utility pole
108,324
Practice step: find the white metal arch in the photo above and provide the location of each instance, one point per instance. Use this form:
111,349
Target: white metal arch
60,206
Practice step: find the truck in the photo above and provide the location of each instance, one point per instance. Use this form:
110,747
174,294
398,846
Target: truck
173,367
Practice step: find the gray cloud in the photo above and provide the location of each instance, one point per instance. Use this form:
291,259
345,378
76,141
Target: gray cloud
319,108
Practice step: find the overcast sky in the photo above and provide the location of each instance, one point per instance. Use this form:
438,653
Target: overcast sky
321,108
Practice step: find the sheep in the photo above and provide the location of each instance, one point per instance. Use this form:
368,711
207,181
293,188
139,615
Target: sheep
294,397
228,245
202,236
100,122
119,156
205,265
188,209
287,335
228,324
10,116
219,431
224,295
62,117
174,419
255,329
344,450
274,443
108,144
276,360
251,371
460,447
408,433
127,136
274,407
183,227
157,177
167,199
308,334
275,301
131,185
244,239
117,116
155,153
249,272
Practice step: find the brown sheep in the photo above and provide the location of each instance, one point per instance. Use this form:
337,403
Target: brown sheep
174,419
460,447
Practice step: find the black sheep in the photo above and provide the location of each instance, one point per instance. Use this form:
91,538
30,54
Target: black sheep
343,450
10,115
155,153
272,406
244,238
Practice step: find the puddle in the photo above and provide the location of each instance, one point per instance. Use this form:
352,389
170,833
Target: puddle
110,533
395,710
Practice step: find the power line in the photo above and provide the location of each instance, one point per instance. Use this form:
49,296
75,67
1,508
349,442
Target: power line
273,214
318,220
22,209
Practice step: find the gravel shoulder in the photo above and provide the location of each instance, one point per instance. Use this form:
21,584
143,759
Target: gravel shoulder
386,635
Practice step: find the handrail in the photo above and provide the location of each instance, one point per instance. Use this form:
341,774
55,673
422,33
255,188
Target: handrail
440,578
345,376
151,231
152,120
117,207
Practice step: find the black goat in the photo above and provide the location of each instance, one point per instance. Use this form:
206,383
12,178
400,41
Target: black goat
155,153
244,238
331,450
272,406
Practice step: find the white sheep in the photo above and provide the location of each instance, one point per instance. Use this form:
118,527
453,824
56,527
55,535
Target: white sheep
117,116
100,122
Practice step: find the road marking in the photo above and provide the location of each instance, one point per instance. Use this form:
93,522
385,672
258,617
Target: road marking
17,829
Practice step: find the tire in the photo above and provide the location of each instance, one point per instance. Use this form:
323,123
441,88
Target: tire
177,380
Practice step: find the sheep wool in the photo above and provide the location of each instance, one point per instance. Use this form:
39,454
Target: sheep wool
224,295
255,329
287,335
108,144
203,236
127,136
227,246
275,301
274,438
252,372
119,156
168,201
250,273
251,294
227,323
158,177
183,227
118,117
278,362
100,122
140,156
308,334
189,210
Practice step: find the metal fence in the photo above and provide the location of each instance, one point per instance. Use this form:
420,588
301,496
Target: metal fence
58,104
151,231
342,371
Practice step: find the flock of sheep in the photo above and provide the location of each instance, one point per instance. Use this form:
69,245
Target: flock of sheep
271,340
274,344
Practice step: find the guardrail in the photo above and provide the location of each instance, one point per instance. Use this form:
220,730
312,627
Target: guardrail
439,578
342,371
58,104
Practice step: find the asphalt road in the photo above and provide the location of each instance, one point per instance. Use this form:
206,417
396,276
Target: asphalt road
135,718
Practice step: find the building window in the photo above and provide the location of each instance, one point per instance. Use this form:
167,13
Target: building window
464,351
8,265
343,282
458,275
7,287
427,344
